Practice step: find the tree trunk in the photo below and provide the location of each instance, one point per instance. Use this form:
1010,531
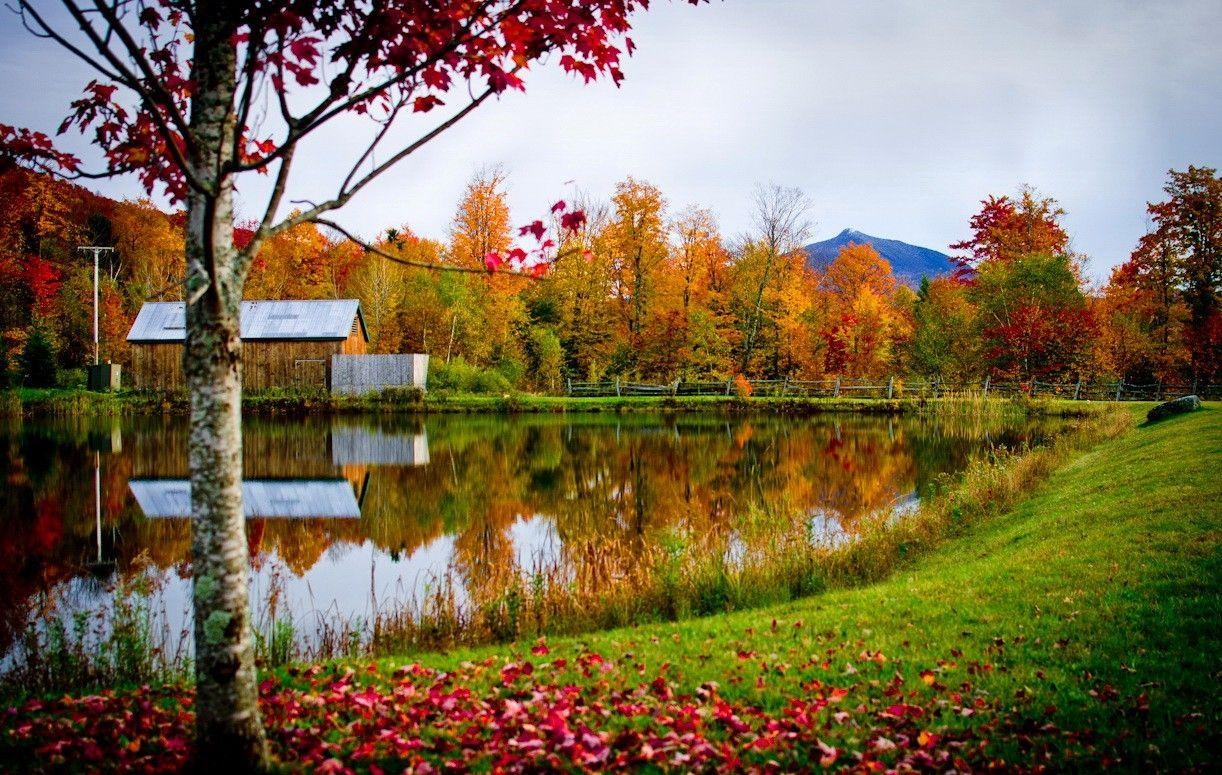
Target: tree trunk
757,313
229,731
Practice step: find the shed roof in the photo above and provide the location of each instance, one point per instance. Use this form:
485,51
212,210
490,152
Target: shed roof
286,498
165,321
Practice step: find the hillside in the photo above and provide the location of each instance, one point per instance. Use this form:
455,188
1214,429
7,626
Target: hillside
909,262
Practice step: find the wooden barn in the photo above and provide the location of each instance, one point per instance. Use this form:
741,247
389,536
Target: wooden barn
285,343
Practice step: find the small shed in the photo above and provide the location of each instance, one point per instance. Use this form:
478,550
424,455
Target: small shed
285,343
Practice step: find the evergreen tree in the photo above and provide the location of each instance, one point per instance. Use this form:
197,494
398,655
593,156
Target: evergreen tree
38,360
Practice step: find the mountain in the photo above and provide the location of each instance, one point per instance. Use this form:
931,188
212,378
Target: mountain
909,262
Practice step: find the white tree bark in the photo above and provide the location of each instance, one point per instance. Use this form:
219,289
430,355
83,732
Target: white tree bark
229,732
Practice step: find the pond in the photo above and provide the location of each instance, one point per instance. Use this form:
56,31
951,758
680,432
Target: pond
356,523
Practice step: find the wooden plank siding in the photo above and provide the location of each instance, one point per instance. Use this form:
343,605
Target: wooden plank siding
157,366
266,363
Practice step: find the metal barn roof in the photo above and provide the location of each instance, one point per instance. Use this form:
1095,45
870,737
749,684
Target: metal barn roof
165,321
293,499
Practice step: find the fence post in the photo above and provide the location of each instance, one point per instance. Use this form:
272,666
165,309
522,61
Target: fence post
727,387
1160,393
784,387
674,391
836,391
1078,390
890,388
1194,386
617,392
1119,385
568,384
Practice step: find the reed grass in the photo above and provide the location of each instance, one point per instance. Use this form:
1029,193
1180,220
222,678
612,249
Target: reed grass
124,643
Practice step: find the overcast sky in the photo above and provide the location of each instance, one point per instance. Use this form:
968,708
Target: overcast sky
896,118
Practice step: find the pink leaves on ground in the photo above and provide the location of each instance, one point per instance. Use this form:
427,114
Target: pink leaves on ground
145,730
581,713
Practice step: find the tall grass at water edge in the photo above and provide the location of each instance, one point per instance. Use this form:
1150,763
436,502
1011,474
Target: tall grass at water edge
124,641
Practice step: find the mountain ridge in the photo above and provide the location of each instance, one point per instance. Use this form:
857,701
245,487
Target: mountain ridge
908,262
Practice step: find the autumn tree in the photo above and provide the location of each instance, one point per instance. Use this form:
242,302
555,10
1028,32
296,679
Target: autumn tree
865,323
699,262
481,225
290,265
1033,317
150,244
493,313
181,85
1033,320
1140,331
698,255
636,241
780,225
1005,229
579,297
945,342
389,292
1184,253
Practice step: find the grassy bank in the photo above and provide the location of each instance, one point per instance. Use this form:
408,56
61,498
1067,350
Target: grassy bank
61,403
1076,629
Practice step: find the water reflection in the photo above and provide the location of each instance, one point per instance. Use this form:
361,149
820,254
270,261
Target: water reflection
261,498
350,514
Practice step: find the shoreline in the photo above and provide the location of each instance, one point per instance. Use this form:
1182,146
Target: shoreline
32,404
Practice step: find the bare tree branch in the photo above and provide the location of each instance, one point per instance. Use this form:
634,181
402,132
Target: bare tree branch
370,248
345,195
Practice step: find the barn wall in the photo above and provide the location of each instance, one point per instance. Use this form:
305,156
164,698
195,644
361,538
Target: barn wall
355,343
270,364
157,366
265,363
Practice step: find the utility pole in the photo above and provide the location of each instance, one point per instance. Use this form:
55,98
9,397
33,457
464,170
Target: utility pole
96,250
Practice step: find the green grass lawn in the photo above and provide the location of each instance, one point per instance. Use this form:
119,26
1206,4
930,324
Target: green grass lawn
1078,630
1095,598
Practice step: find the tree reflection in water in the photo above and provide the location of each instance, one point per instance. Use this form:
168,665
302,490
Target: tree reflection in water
349,515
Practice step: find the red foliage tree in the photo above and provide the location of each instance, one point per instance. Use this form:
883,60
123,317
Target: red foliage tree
1034,319
182,87
1183,257
42,279
1006,229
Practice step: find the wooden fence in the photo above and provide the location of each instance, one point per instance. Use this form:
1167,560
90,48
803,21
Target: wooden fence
894,387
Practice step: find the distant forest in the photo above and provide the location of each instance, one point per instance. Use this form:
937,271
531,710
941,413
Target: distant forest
646,292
